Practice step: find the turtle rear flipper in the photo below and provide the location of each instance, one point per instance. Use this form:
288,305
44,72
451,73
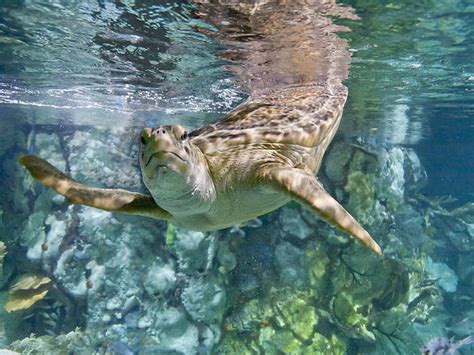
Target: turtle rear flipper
113,200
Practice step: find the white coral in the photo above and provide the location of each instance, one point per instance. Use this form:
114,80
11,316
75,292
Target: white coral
446,278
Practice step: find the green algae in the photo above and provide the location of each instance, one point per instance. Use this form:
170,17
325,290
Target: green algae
360,187
352,317
170,234
317,260
298,314
232,345
322,345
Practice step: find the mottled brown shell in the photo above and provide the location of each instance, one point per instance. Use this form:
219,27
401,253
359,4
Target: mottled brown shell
290,61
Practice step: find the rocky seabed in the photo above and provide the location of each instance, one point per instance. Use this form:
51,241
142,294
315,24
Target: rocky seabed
80,280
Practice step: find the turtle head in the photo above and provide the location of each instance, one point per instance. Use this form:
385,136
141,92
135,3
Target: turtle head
173,168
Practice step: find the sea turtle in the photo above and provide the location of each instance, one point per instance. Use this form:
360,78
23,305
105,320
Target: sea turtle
262,154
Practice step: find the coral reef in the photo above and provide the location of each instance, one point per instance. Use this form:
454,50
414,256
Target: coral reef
291,284
63,344
337,295
26,291
443,274
116,276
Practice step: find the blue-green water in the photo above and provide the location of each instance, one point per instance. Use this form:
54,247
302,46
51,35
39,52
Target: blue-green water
412,61
78,81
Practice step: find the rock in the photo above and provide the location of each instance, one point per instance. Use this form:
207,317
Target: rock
396,334
459,233
49,147
176,334
144,322
392,175
248,315
415,175
279,341
290,262
360,188
192,251
232,345
336,161
59,345
46,247
410,227
160,279
298,315
67,274
445,276
351,317
33,234
292,223
95,159
226,258
204,298
317,264
113,303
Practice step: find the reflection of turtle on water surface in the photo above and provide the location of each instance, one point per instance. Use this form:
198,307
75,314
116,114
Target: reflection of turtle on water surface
262,154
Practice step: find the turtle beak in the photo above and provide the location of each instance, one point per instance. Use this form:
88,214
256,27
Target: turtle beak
159,146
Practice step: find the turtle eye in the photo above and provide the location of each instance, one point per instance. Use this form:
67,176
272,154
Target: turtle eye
184,136
142,139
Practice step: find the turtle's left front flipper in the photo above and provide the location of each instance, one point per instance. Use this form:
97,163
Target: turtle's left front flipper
113,200
303,187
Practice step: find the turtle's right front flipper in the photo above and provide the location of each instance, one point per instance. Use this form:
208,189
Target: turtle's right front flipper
113,200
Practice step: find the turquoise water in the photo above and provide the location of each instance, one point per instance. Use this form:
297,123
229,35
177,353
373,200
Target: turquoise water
78,82
411,61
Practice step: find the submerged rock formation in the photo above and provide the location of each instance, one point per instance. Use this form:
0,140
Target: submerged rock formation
301,287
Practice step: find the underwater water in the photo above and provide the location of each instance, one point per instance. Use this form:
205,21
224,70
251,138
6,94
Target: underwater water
78,82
